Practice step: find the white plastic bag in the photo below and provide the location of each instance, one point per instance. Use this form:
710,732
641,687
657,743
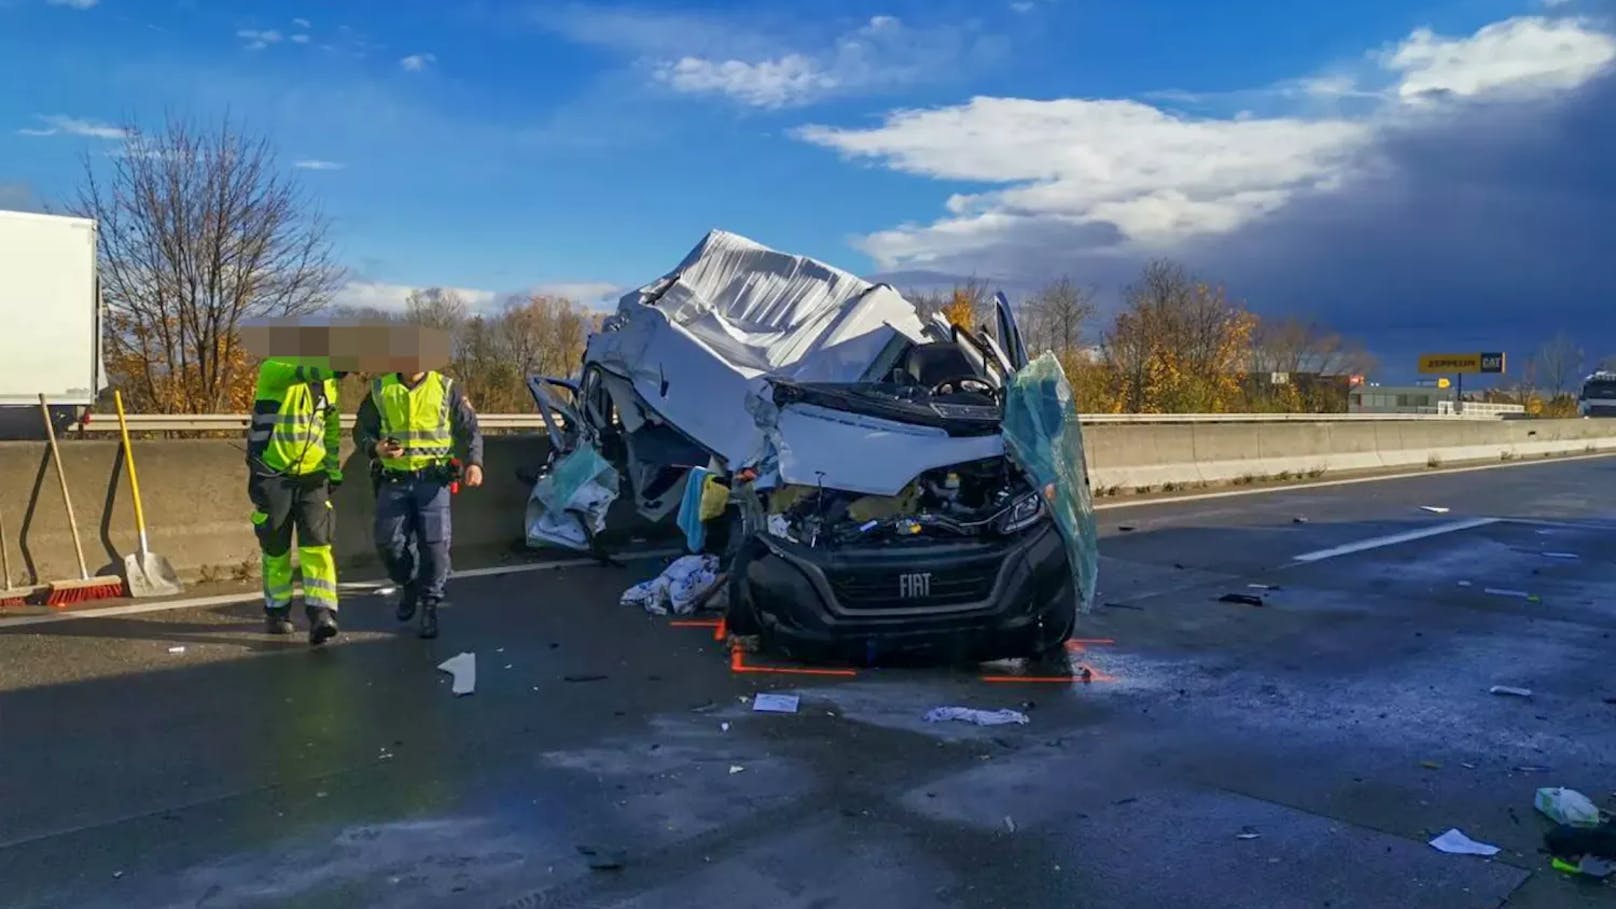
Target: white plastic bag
1567,806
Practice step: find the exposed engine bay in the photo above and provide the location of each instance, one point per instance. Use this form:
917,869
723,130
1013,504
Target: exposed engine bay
983,498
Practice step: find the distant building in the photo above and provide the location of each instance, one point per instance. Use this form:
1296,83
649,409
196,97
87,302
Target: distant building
1425,399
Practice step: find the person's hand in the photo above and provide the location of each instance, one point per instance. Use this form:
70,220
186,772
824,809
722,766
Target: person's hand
389,448
474,475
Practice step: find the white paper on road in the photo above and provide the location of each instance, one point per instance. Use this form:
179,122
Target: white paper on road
463,667
1510,691
775,703
978,717
1455,843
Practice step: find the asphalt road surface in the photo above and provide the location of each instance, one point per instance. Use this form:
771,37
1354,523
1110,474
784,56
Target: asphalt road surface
1297,754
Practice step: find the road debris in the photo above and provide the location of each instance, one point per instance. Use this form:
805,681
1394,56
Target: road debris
679,589
386,591
1126,528
1566,806
1009,823
1246,833
1564,556
1507,592
463,668
977,717
1262,587
1587,865
176,650
1435,509
603,859
1242,599
735,768
723,727
1568,842
1298,520
1431,765
1531,768
1510,691
776,703
583,678
1456,843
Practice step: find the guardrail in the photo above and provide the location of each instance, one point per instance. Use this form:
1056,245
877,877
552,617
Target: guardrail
232,422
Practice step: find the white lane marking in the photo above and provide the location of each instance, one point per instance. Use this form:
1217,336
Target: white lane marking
1394,539
252,596
1349,481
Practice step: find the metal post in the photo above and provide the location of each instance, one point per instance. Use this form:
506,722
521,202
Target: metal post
1458,393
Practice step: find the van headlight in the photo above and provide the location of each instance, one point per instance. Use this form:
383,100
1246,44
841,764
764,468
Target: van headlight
1027,511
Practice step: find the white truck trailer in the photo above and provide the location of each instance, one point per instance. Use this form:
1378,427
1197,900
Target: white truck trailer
50,318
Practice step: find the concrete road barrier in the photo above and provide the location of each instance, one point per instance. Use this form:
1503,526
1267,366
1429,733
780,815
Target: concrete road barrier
196,500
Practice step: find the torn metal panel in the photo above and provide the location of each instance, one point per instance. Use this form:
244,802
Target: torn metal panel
853,452
695,343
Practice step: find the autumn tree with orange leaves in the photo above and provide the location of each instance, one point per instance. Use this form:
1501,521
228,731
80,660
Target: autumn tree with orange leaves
199,231
1178,346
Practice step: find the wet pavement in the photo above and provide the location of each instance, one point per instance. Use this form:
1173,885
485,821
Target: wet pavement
1297,754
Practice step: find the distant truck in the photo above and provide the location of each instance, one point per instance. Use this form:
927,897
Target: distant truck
50,320
1598,397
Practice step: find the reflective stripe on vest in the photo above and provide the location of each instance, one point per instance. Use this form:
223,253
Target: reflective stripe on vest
418,418
288,426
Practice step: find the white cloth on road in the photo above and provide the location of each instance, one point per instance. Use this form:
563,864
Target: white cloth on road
678,589
978,717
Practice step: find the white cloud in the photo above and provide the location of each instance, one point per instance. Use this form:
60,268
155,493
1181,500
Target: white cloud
73,4
300,39
1022,7
390,297
415,63
258,39
317,164
718,58
1121,176
302,23
883,53
57,124
584,292
1528,54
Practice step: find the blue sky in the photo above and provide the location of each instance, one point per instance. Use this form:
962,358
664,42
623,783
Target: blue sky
499,146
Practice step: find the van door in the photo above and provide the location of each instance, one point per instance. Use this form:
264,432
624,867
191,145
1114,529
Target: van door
1009,332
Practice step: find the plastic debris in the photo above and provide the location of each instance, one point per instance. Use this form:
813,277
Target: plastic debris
463,667
1261,587
176,650
1246,833
679,589
602,859
1456,843
1587,865
568,505
1567,556
1510,691
1243,599
1566,806
1435,509
776,703
724,727
1506,592
977,717
1568,842
735,768
1009,823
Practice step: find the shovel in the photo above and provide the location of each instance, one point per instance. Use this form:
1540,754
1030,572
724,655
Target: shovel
147,573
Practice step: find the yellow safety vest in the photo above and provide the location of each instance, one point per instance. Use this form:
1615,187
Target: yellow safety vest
294,402
417,417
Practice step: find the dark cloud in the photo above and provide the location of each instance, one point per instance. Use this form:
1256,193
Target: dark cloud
1490,226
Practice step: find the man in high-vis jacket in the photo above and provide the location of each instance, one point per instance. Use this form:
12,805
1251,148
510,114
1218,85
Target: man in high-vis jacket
292,462
418,428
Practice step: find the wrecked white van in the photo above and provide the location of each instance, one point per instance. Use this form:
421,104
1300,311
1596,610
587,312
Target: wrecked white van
896,486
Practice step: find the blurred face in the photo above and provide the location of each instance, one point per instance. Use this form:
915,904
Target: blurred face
377,348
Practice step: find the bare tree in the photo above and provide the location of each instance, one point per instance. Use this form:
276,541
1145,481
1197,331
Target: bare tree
435,307
1559,364
1055,318
199,231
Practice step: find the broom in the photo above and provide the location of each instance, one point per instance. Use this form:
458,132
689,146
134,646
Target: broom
86,588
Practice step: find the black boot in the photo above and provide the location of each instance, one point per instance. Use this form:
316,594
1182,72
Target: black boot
322,625
429,619
407,597
278,621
